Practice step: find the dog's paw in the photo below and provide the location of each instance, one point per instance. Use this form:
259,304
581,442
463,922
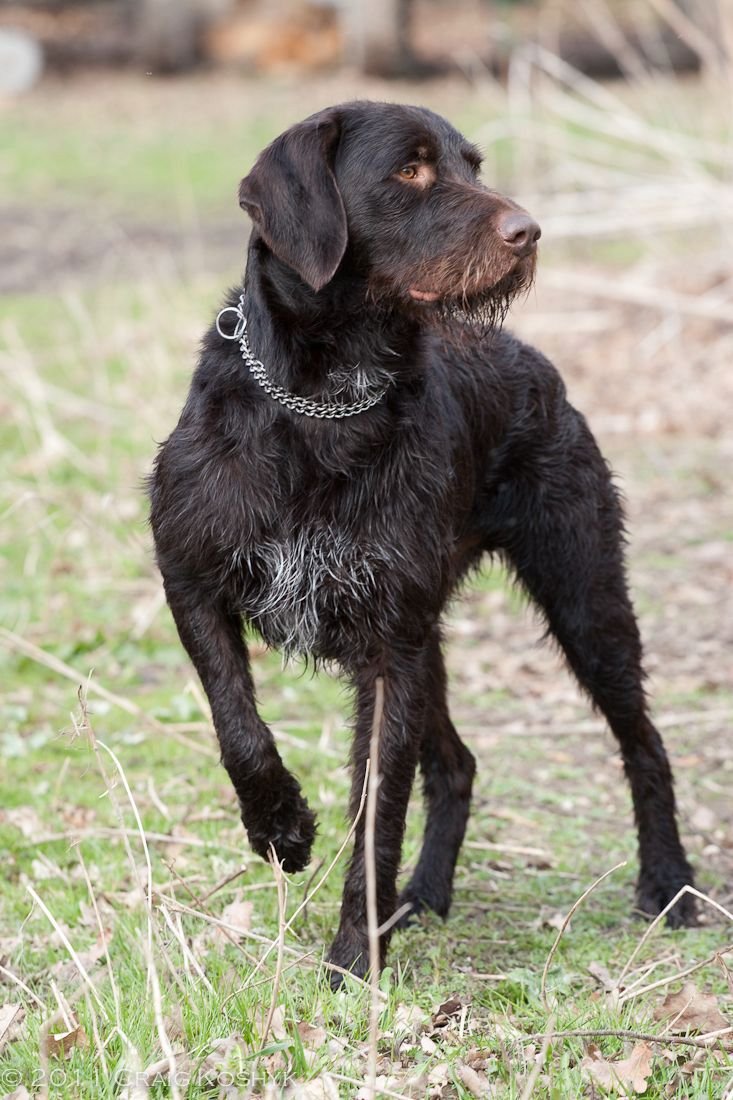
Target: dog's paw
284,822
421,897
349,951
655,891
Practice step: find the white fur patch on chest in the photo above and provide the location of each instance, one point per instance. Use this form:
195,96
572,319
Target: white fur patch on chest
292,584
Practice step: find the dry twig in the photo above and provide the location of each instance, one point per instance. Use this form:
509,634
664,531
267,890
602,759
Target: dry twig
566,922
370,869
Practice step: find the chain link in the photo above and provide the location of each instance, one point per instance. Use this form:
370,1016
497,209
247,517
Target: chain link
322,410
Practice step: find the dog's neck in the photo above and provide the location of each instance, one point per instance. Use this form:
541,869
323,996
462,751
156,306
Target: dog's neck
305,338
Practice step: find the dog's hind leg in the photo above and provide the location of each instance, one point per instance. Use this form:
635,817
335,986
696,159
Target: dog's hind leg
447,769
274,811
558,520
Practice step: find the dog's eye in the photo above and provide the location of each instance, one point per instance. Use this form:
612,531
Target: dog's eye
420,175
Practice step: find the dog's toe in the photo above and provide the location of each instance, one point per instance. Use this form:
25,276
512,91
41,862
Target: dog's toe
288,826
655,892
350,952
421,897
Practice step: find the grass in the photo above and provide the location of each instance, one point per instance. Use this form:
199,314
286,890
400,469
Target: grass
93,375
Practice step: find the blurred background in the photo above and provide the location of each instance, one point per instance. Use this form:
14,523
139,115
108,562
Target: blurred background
125,126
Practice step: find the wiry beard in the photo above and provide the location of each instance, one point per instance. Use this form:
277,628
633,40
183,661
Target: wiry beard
485,312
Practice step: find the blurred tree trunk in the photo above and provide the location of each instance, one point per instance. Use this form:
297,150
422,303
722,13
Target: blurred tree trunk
168,32
376,36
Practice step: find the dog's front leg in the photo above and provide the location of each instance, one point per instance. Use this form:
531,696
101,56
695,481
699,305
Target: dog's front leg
274,811
403,673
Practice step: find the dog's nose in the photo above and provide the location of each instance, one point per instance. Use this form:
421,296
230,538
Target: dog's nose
520,232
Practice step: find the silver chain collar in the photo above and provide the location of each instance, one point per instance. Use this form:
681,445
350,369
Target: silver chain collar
323,410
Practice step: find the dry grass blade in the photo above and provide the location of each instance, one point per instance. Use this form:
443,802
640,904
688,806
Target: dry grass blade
163,1038
67,944
98,1044
396,916
256,937
606,113
122,833
282,897
233,940
566,922
370,867
640,990
704,1042
689,32
539,1063
103,940
324,877
186,951
660,917
152,937
28,649
21,985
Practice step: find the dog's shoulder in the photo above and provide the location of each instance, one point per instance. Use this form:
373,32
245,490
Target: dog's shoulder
495,369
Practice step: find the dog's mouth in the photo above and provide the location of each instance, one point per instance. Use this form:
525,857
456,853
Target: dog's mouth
490,300
508,284
486,309
419,295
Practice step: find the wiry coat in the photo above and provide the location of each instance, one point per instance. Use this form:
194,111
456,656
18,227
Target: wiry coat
342,539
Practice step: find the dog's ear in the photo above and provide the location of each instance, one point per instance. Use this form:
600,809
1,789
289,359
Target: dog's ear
292,197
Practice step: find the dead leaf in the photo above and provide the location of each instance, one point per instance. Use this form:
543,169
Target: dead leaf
311,1037
318,1088
65,969
130,899
404,1086
549,918
57,1044
238,917
603,977
623,1073
449,1011
691,1010
409,1023
225,1062
278,1031
476,1083
24,818
410,1018
11,1016
43,869
478,1059
159,1072
175,1025
438,1078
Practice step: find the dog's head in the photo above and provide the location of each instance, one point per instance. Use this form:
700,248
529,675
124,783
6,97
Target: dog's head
396,189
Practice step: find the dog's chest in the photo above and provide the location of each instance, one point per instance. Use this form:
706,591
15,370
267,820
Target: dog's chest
332,589
307,586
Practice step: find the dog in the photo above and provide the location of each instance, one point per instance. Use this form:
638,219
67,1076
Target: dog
359,433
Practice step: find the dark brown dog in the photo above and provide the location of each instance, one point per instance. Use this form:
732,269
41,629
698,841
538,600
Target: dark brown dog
338,471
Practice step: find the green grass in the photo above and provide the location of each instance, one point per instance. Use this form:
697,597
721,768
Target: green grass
133,166
93,376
